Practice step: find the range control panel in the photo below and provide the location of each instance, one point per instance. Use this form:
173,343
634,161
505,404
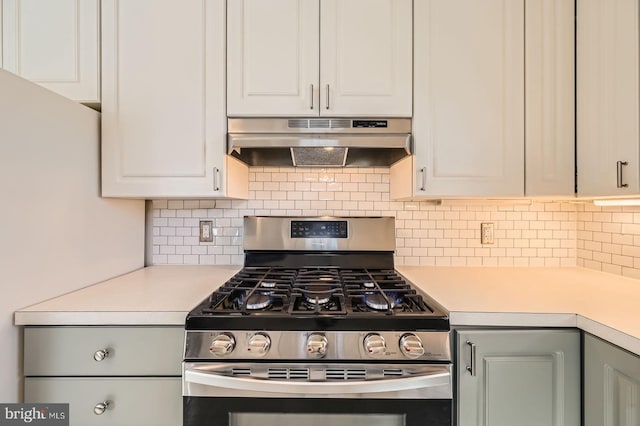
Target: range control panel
318,229
326,345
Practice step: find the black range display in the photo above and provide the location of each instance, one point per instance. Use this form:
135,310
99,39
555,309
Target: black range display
318,229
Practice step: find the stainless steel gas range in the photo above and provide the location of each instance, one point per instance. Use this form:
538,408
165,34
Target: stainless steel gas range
317,328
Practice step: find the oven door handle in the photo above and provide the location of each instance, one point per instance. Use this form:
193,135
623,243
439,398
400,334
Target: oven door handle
318,388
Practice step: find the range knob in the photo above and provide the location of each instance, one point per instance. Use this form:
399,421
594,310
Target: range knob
375,345
317,345
222,344
411,346
258,344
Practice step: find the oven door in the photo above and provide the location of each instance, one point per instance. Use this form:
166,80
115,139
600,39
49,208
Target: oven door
228,394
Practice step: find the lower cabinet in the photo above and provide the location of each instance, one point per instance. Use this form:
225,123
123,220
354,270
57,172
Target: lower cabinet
518,377
140,401
119,376
611,384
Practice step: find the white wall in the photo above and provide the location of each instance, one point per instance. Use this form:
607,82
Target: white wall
56,233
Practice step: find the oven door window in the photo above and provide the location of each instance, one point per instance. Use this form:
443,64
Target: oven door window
224,411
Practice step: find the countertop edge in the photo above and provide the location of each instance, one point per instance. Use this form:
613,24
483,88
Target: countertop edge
512,319
611,335
131,318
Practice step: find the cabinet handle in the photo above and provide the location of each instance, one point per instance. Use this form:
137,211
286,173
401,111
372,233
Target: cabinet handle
472,367
101,407
216,179
312,91
101,354
328,95
620,182
423,173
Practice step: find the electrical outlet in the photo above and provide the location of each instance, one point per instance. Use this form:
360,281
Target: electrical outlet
206,231
486,233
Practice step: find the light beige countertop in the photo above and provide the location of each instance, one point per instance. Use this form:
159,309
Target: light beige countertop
158,295
605,305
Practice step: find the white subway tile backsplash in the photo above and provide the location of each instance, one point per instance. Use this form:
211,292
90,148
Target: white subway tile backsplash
608,239
543,233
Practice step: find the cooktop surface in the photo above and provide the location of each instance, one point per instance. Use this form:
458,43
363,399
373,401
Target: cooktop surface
317,297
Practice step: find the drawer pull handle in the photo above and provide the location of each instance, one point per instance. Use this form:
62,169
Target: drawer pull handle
101,354
312,92
101,407
328,96
472,368
620,183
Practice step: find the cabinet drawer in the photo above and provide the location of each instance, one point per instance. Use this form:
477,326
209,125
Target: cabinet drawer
132,351
132,401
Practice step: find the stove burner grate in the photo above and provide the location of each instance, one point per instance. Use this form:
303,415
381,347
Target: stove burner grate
315,291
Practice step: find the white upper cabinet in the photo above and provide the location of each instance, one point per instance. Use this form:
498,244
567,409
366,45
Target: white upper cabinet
607,98
474,90
272,60
550,97
468,123
163,110
366,56
319,57
54,43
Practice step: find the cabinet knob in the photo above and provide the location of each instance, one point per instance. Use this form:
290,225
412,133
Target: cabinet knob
101,407
101,354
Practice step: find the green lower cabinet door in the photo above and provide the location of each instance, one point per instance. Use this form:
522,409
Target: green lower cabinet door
518,377
110,401
611,384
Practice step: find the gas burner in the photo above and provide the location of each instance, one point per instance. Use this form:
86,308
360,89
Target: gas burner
258,301
379,302
318,294
268,284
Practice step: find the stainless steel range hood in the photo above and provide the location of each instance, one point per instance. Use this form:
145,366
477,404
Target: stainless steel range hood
319,142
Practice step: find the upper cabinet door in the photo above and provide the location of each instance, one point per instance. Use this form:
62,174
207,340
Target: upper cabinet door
469,98
163,115
550,97
272,57
366,57
319,57
53,43
607,97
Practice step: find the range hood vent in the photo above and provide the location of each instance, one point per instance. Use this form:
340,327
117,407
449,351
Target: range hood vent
319,142
320,123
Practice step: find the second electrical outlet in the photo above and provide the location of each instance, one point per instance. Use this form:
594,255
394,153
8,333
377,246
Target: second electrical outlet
206,231
486,233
